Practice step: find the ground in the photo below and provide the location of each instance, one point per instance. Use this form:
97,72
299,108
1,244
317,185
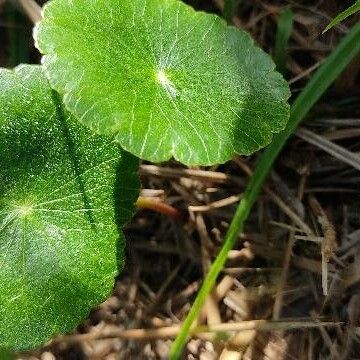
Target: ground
298,257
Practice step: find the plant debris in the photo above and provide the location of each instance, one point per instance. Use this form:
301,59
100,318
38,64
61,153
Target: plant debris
296,267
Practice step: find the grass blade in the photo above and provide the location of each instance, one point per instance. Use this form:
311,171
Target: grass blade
343,54
343,15
285,26
230,7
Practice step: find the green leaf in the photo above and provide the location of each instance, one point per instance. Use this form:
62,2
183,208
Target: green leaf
351,10
164,79
64,194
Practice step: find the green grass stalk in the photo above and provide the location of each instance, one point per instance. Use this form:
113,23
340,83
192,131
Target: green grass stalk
342,55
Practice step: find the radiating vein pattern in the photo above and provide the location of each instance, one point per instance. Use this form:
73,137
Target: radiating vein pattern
64,194
164,79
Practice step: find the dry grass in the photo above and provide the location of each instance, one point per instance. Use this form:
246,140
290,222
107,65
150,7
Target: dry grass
290,288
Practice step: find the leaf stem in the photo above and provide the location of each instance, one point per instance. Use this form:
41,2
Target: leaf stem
343,54
160,207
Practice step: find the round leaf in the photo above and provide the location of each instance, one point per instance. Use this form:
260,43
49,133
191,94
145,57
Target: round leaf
164,79
64,194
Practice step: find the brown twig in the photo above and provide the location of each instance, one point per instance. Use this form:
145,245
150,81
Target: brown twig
172,331
30,8
175,173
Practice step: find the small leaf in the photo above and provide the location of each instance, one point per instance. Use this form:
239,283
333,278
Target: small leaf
351,10
64,194
164,79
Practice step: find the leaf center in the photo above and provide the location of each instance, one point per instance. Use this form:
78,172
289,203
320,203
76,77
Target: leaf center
24,210
166,83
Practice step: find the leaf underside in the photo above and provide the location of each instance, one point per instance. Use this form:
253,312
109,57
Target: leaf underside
64,194
163,79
